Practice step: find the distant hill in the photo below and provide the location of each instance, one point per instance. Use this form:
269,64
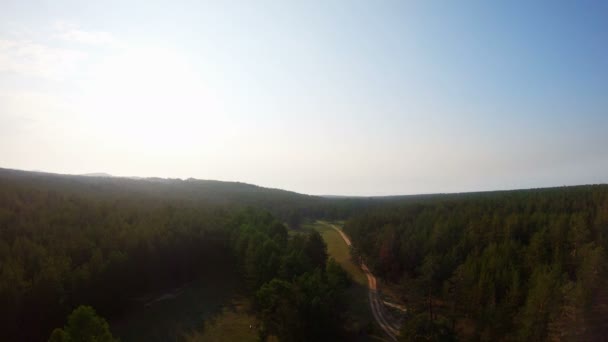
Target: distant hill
288,205
192,188
97,174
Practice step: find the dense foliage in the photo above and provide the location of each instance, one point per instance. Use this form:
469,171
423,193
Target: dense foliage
287,206
83,325
60,250
67,241
522,265
299,293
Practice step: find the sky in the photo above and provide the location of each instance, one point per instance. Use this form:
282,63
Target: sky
319,97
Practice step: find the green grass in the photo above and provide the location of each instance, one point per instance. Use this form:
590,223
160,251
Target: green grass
233,324
337,249
170,318
360,318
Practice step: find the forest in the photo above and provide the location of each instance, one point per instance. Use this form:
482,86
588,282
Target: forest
289,207
92,244
299,292
515,265
507,265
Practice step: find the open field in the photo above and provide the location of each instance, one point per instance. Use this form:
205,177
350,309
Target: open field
360,318
169,315
233,324
338,250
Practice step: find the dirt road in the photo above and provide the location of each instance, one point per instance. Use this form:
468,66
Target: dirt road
378,310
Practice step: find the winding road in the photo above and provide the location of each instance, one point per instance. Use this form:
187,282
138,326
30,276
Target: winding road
378,310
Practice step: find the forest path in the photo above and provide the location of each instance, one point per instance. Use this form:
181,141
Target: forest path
377,305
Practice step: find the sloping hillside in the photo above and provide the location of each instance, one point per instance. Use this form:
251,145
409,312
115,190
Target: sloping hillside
285,204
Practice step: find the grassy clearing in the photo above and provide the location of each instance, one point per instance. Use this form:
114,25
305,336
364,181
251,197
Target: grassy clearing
209,309
233,324
185,310
360,318
337,249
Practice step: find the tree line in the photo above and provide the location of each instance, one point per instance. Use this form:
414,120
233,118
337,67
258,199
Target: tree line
290,207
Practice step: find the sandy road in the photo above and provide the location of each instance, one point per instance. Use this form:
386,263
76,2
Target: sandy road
378,309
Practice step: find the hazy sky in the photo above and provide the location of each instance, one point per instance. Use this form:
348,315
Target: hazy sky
328,97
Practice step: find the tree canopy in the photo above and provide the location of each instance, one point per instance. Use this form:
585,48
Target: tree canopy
524,265
84,325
